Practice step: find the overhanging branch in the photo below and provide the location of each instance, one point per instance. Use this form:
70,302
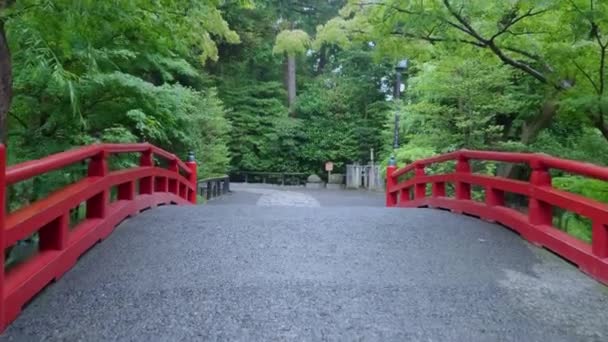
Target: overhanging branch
507,26
587,76
490,43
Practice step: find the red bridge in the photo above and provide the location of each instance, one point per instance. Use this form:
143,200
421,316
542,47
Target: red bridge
537,225
293,264
59,246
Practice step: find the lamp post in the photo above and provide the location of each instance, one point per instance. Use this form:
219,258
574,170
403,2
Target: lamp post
400,68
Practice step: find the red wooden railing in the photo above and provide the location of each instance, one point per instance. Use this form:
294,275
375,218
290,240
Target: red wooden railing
534,224
59,245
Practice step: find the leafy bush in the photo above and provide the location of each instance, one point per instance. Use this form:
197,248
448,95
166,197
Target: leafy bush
574,224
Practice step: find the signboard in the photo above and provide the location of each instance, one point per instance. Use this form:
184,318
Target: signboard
329,166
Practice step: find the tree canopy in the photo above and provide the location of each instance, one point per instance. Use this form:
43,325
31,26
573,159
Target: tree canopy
291,42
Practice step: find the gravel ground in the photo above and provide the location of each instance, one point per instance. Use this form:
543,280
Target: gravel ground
264,264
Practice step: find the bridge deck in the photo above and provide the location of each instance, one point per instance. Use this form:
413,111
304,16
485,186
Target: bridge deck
265,264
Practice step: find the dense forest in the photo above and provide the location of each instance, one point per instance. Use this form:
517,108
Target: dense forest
218,78
286,85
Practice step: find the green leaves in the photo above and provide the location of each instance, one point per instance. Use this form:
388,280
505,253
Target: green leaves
456,103
574,224
117,71
291,42
260,127
343,111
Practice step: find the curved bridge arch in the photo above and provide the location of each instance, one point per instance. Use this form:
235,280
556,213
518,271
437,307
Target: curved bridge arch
60,246
407,187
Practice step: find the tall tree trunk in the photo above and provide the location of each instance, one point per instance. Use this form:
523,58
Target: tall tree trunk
600,122
532,128
604,130
5,83
322,59
291,82
285,72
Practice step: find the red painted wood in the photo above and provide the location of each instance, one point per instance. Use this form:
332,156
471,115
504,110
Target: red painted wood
23,222
536,225
404,195
54,235
27,170
600,239
438,189
60,246
183,192
146,184
173,184
126,191
463,189
391,196
494,197
540,212
507,157
419,189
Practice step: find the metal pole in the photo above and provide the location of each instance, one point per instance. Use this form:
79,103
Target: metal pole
371,175
398,85
396,133
396,96
401,66
193,177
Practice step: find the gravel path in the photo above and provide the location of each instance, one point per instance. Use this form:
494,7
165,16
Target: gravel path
263,264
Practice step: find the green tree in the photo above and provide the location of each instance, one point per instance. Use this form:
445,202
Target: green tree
5,74
260,125
291,43
343,111
460,102
566,61
88,71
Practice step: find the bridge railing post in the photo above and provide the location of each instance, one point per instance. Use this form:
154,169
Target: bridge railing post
59,247
540,213
494,197
463,190
146,184
160,184
420,188
438,189
173,185
97,205
193,177
391,198
599,239
54,235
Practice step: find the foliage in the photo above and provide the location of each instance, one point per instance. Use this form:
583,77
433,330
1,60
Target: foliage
340,108
291,42
573,223
458,103
91,71
118,72
262,132
408,154
566,62
343,112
